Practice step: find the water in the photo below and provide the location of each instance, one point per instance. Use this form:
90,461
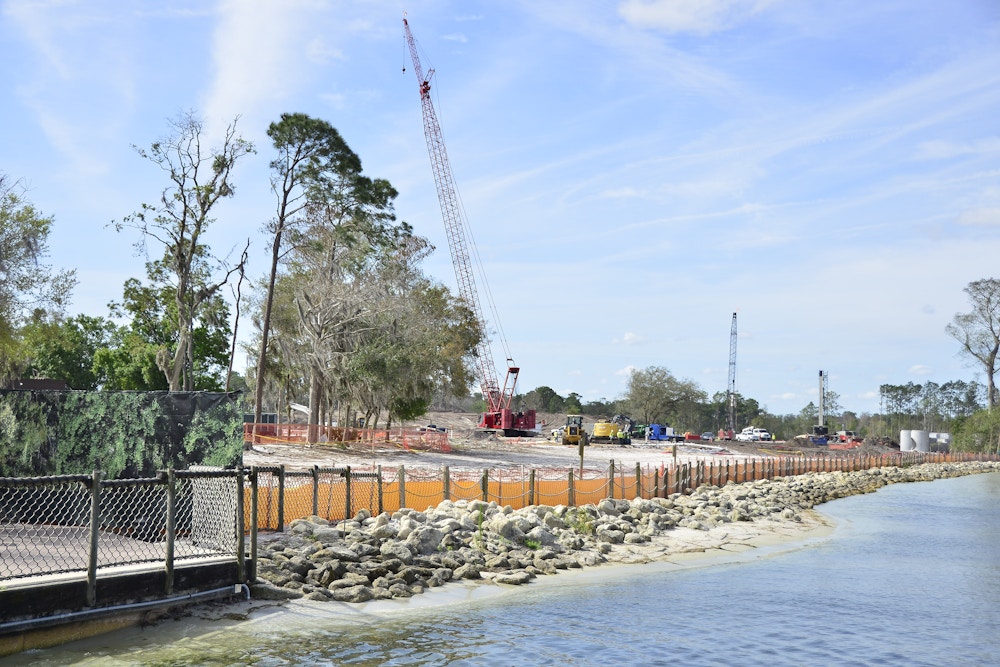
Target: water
909,577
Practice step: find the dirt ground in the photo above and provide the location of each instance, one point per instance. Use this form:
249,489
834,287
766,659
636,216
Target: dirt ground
474,450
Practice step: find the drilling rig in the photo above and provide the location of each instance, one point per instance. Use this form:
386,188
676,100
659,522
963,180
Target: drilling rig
498,416
730,429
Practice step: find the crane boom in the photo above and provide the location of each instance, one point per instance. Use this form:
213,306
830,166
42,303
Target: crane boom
498,398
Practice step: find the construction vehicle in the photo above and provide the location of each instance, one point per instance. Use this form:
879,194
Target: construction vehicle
498,416
618,430
573,433
820,432
603,431
664,433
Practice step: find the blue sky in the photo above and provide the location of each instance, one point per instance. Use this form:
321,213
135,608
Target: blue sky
634,172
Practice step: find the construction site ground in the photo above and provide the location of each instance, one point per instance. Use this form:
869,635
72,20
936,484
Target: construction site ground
471,448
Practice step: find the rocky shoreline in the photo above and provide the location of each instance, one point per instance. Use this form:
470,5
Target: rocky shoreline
403,554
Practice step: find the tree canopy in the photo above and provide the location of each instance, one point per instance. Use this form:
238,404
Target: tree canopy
31,292
978,331
198,179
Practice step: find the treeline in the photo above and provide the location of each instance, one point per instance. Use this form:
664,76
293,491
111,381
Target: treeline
654,395
344,318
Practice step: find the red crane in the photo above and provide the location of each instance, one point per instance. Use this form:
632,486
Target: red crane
498,399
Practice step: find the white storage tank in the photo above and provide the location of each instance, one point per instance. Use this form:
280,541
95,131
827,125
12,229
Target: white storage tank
922,439
906,443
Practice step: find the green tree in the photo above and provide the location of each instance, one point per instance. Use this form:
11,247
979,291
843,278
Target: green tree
313,161
132,359
66,350
199,179
30,291
978,433
654,394
978,331
544,399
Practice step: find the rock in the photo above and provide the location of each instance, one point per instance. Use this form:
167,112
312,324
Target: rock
467,571
514,577
267,591
353,594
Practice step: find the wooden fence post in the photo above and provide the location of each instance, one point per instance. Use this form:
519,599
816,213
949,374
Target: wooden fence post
402,486
347,494
446,483
611,479
281,498
378,481
571,494
315,477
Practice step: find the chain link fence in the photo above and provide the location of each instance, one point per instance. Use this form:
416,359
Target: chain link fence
83,523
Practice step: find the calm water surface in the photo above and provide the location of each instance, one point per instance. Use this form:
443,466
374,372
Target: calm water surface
910,577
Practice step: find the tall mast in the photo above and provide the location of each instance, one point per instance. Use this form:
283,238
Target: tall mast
731,387
454,223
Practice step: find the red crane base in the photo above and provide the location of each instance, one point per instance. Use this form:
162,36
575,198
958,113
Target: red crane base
511,423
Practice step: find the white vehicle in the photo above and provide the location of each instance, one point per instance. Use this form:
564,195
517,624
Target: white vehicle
753,434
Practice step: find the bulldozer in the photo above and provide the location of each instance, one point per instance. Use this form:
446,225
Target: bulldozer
573,433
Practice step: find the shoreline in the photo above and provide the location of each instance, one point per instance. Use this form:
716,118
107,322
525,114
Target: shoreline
702,529
408,554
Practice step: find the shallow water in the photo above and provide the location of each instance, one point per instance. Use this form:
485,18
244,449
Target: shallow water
908,578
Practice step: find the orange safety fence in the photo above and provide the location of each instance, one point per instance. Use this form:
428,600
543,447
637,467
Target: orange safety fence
336,494
319,434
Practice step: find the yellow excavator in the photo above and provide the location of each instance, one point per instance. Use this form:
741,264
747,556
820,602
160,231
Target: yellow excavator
573,433
618,430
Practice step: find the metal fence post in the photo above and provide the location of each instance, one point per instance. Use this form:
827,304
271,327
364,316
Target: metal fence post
95,527
168,564
240,519
254,518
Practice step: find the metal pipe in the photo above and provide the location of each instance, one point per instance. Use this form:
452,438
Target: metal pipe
32,623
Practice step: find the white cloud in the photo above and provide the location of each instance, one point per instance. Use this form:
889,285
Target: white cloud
939,150
626,192
455,37
920,369
258,51
625,372
696,16
981,217
321,53
629,338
